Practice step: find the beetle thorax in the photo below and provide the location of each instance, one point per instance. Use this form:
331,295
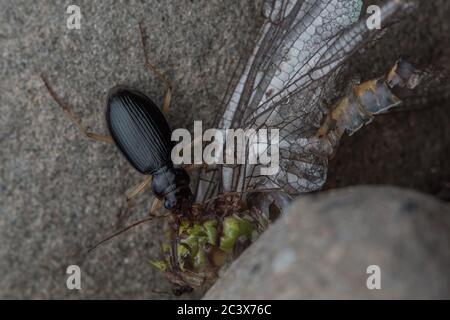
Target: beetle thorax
172,185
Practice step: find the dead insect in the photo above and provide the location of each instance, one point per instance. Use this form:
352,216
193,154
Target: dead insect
294,66
362,103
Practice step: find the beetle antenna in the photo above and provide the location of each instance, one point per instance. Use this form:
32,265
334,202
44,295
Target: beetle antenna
131,226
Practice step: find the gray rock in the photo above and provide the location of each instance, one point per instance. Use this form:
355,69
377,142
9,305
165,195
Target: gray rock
323,247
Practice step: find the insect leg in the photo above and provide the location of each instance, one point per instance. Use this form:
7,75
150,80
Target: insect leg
130,195
66,108
131,226
138,189
156,204
152,68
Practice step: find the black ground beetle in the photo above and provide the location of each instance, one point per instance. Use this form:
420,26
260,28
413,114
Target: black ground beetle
141,132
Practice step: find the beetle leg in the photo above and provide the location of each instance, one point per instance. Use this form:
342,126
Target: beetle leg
130,195
156,204
131,226
138,189
73,117
167,98
152,68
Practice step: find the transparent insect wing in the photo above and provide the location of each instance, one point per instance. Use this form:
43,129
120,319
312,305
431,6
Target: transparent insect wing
292,70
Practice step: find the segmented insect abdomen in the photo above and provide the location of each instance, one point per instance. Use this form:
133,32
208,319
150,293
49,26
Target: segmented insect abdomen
364,102
139,129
